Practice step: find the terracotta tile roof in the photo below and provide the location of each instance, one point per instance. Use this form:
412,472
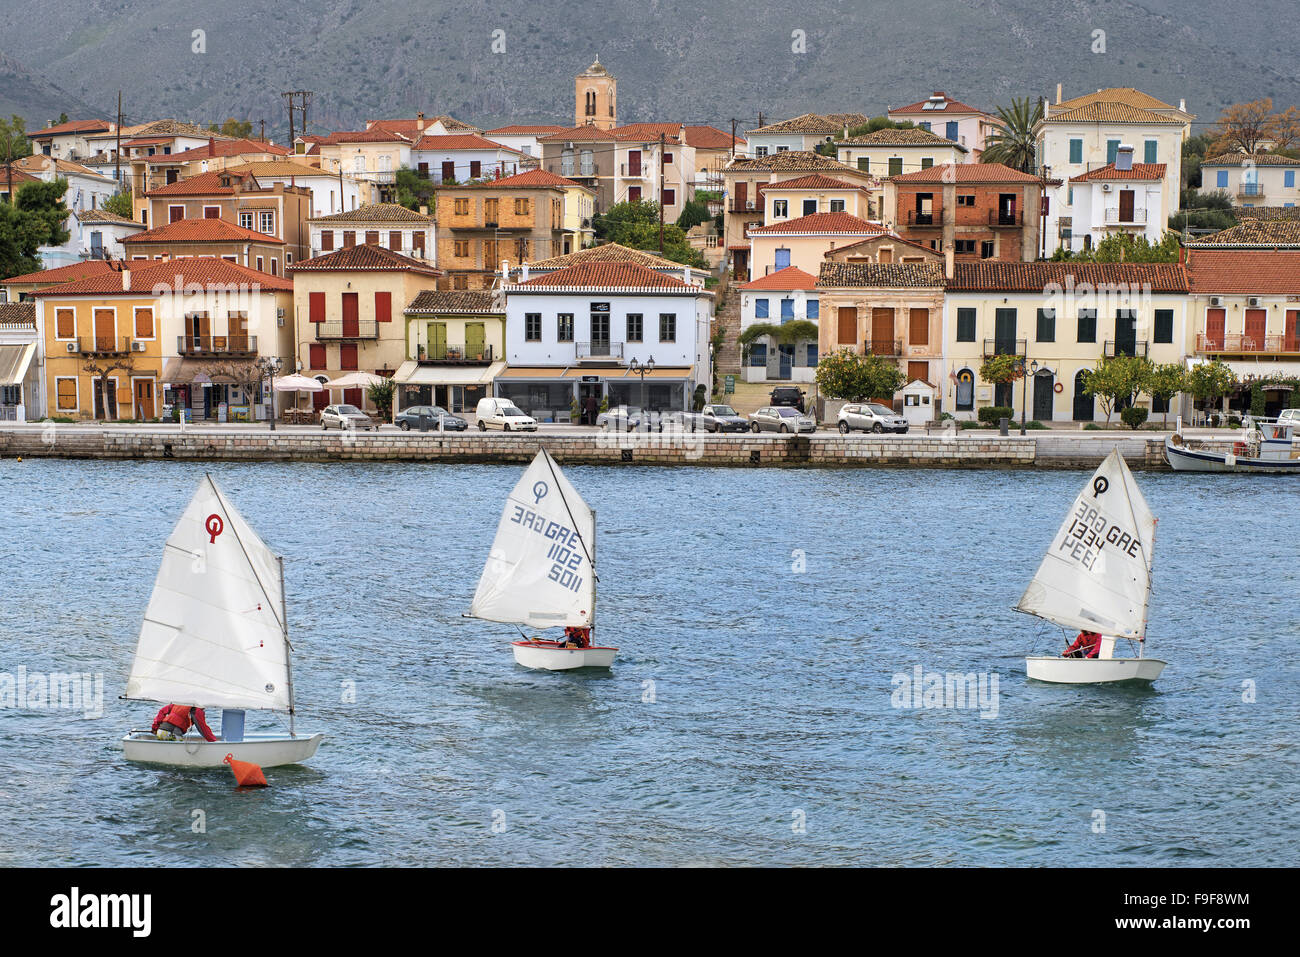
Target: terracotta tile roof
1106,111
223,148
791,277
1254,232
1250,272
820,223
1140,171
521,129
460,141
531,179
950,106
411,129
1257,159
475,301
97,216
700,137
375,213
72,126
24,312
1037,276
1115,94
813,124
650,131
965,173
1268,213
710,138
170,128
579,133
607,275
881,274
895,240
789,160
363,258
376,134
18,176
606,253
270,169
69,273
202,231
893,137
812,181
40,164
205,184
172,274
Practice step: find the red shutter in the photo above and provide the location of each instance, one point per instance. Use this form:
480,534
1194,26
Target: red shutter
348,356
316,310
448,171
352,396
384,307
395,241
316,355
372,237
326,240
475,169
349,239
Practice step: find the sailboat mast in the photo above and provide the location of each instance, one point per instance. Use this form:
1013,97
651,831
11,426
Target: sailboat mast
591,637
1146,602
288,649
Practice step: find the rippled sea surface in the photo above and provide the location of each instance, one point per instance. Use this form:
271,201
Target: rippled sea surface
762,616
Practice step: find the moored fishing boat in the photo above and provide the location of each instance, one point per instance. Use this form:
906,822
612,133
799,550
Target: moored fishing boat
1269,446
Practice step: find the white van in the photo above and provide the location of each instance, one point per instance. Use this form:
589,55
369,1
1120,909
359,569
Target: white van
503,414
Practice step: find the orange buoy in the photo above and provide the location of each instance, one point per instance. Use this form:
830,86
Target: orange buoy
247,774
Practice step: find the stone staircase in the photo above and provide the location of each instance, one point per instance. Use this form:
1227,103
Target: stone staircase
727,318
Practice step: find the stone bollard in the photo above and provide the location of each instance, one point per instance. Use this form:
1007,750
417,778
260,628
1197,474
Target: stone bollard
1002,426
424,421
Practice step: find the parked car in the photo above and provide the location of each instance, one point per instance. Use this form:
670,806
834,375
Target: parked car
409,418
870,417
677,422
781,418
787,395
504,415
723,418
622,418
345,417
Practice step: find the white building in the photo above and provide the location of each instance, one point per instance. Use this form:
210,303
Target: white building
805,132
330,192
380,224
1260,179
576,332
20,372
98,234
523,138
953,120
1124,197
68,141
776,299
460,157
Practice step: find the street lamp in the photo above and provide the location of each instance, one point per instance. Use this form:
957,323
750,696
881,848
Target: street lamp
641,368
270,366
1024,390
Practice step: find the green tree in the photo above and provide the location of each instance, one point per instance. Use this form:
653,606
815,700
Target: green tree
1126,248
239,129
414,191
1012,143
1209,382
635,224
1001,369
1117,381
63,117
120,205
693,213
382,394
1164,381
13,145
845,374
36,218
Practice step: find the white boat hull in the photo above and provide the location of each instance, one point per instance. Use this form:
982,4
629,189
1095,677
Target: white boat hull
549,656
1277,462
266,750
1091,671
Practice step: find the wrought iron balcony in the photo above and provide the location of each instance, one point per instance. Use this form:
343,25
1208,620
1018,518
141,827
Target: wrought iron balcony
456,356
340,329
104,345
599,350
916,217
1253,344
1005,347
1002,217
1251,190
1136,217
883,347
1128,347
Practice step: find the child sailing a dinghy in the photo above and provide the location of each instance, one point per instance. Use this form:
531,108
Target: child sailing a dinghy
1085,646
174,720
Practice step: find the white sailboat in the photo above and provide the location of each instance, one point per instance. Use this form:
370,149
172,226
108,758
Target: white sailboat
215,635
1096,576
541,570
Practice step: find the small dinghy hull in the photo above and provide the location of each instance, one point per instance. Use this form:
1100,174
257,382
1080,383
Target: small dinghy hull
267,750
550,656
1092,671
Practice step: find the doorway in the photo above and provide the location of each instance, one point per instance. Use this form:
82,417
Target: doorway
144,399
1044,395
1084,408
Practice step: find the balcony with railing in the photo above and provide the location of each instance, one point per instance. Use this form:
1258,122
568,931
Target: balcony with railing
1236,344
883,347
104,345
1250,190
604,350
1126,347
413,252
374,175
345,329
216,346
572,171
455,356
917,217
1005,347
634,172
1005,217
1135,217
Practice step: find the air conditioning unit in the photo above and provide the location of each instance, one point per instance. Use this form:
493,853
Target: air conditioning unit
72,347
1105,187
137,346
1216,300
1253,302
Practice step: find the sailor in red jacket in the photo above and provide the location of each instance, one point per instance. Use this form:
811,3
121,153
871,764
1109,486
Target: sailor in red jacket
174,720
1085,646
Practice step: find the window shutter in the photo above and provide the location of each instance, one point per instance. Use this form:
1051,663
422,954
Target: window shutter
383,307
316,310
919,327
326,240
316,355
348,356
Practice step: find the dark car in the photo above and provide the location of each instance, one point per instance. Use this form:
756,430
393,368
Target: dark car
787,395
723,418
409,418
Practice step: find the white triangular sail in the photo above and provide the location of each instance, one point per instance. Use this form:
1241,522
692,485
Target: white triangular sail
539,572
1096,575
213,634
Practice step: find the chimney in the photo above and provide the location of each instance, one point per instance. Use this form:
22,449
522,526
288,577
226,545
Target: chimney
686,275
523,272
126,279
424,210
419,122
1182,105
1124,157
1058,94
212,146
949,258
505,270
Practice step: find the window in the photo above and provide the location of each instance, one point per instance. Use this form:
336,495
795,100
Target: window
634,194
522,205
266,222
864,164
491,209
787,310
460,248
1149,151
667,327
460,207
918,327
348,357
986,249
246,220
781,207
67,393
1164,330
782,258
925,125
260,265
372,237
964,246
950,130
760,309
782,149
635,326
965,324
316,309
1112,150
1288,178
211,212
1076,151
668,158
812,354
966,199
175,213
475,169
1221,179
349,239
383,306
1046,325
532,327
670,197
760,151
459,282
927,162
837,205
144,323
758,354
395,241
1087,325
564,327
895,165
65,324
814,310
326,240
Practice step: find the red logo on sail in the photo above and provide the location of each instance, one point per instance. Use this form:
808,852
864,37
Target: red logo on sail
214,527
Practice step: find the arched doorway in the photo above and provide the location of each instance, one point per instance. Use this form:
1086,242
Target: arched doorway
1083,401
965,391
1044,395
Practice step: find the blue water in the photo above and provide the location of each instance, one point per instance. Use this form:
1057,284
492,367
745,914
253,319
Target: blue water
767,735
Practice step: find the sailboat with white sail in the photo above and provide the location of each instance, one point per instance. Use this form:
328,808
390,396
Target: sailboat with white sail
1096,577
541,572
216,635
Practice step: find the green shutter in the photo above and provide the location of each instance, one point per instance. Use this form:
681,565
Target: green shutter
864,164
895,166
1112,149
1149,154
437,348
1076,151
475,337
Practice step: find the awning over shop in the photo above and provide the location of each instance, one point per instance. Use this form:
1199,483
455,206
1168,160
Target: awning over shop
14,361
533,372
1256,368
186,371
412,373
551,373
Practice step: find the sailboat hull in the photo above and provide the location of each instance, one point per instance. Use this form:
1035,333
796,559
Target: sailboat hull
549,656
1092,671
266,750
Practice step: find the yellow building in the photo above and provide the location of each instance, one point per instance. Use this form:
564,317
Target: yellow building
455,347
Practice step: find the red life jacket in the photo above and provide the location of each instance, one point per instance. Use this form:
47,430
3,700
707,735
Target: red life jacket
179,715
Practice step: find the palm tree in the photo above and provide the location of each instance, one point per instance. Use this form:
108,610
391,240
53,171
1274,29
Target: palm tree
1012,143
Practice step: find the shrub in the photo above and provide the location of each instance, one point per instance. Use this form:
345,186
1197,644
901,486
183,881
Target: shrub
1134,416
973,425
1234,422
1093,427
945,416
1034,424
990,414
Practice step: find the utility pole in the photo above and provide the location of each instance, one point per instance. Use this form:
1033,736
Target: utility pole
297,100
733,139
661,194
263,131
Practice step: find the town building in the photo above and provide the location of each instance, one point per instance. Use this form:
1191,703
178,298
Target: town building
68,141
212,156
1253,179
780,298
455,347
20,288
187,238
463,157
802,133
954,120
390,225
330,192
622,167
98,234
20,373
523,137
372,157
892,152
1122,197
805,240
595,94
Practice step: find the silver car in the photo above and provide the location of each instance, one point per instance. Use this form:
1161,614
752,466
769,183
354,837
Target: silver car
870,417
781,418
624,418
345,417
